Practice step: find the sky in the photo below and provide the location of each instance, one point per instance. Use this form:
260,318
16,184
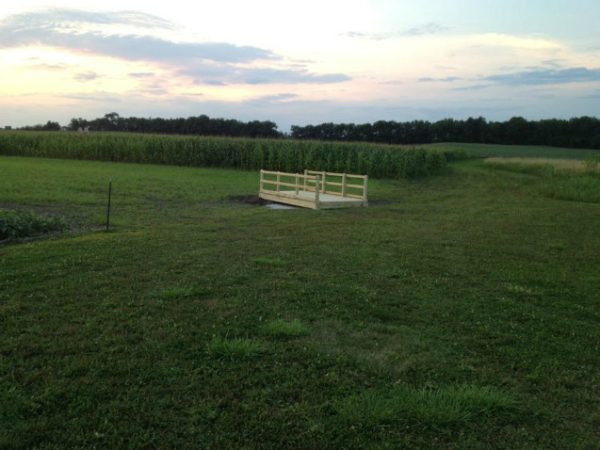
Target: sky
299,62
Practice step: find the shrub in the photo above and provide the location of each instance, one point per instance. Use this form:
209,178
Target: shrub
20,224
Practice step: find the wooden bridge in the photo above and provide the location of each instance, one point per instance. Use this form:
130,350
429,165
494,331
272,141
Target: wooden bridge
314,189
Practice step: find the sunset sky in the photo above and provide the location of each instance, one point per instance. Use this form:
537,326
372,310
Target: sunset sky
299,62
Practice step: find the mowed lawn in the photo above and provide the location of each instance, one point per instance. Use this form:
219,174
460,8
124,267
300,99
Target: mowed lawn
457,311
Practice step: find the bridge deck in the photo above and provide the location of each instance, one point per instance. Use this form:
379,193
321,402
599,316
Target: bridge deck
307,199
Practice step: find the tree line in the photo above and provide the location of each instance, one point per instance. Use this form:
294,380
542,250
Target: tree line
197,125
581,132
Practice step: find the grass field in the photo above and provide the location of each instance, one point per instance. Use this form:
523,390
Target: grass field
457,311
520,151
556,165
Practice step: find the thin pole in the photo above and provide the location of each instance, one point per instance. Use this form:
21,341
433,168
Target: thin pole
108,205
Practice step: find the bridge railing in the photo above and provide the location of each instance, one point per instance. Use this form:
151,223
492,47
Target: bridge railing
342,184
333,183
275,181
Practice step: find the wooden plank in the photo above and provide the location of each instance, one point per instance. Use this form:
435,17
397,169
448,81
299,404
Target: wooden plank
288,200
283,183
356,186
335,174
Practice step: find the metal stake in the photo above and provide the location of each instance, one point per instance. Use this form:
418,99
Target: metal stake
108,205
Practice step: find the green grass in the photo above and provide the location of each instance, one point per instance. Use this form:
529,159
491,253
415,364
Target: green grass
285,328
435,408
235,348
457,311
524,151
181,292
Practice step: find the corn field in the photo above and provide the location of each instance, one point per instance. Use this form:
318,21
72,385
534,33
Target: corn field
375,160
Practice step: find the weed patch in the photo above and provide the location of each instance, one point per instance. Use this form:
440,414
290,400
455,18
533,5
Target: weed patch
283,328
235,348
427,407
21,224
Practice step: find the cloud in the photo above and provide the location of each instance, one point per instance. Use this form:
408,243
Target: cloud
554,63
86,76
154,90
141,74
428,28
358,34
473,87
275,98
422,30
15,33
590,96
536,76
545,76
68,18
217,75
217,63
50,67
446,79
100,96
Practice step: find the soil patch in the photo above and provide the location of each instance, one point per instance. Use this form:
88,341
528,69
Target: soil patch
248,200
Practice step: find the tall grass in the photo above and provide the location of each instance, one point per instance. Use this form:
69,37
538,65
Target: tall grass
444,406
558,178
376,160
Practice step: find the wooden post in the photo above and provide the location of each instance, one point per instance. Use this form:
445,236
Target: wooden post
323,182
365,200
260,182
317,187
278,180
305,174
343,185
297,181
